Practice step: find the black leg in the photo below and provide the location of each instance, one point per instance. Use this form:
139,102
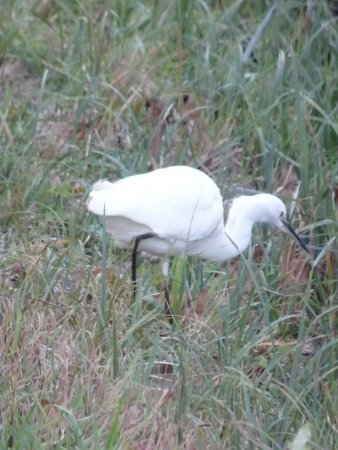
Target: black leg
137,241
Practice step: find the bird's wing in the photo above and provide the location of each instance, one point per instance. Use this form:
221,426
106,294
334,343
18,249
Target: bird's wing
176,203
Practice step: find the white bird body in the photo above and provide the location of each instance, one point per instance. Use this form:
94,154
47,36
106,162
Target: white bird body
179,210
182,206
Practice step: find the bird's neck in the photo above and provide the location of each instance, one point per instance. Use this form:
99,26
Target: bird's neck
227,242
238,231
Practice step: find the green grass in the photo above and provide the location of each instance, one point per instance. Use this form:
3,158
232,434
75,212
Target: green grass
255,356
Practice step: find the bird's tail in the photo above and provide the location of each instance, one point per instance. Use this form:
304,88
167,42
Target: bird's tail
97,199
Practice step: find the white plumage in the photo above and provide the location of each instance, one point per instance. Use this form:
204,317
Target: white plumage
179,210
180,205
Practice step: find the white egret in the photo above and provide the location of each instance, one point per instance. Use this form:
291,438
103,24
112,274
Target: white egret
179,210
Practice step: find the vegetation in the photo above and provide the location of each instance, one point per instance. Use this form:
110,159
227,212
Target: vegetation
246,91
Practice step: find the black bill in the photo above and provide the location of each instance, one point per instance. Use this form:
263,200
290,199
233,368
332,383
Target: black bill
295,235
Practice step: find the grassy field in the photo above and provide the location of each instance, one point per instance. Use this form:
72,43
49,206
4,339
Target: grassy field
247,92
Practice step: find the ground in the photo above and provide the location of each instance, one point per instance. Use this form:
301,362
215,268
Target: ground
245,91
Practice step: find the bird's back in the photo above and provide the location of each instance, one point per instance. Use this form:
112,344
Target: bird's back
175,203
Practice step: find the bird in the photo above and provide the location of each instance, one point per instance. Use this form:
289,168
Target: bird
178,210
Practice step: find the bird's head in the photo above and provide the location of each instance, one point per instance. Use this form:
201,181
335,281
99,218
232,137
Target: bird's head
273,211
